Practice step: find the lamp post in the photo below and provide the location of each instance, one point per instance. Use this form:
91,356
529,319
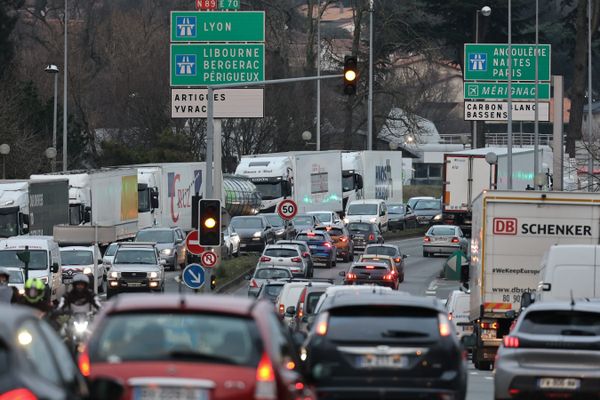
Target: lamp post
370,101
591,156
51,155
492,159
318,74
485,11
65,115
53,69
4,150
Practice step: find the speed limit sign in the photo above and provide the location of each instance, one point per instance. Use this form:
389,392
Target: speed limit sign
287,209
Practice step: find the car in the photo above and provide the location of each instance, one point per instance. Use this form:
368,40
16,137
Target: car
371,273
270,290
136,267
34,361
264,274
341,240
328,218
401,217
304,312
458,305
178,346
231,242
321,247
384,346
289,295
306,221
333,294
386,250
552,352
284,230
16,278
372,211
444,239
426,210
109,255
305,253
363,234
391,261
255,232
170,242
83,260
413,200
285,255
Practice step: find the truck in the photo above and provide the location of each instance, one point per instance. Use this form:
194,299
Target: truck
312,179
32,207
372,175
512,230
467,173
103,206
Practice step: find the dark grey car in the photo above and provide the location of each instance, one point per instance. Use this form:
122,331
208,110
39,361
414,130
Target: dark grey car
426,210
255,232
284,230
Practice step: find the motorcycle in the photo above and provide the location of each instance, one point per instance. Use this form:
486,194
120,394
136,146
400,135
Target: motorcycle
76,330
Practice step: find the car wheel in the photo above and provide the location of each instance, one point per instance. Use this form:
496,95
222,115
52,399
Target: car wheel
425,254
329,264
401,278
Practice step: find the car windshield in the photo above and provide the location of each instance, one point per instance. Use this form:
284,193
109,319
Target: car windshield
348,182
111,250
38,259
169,336
273,252
247,223
323,217
275,220
381,324
332,231
76,257
359,227
561,322
298,243
270,292
303,220
15,276
441,231
395,209
381,250
362,209
155,236
427,205
305,237
311,302
272,273
269,191
127,256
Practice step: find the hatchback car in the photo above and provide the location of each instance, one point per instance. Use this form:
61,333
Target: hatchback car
284,230
363,234
371,273
305,252
401,217
386,250
170,243
285,255
341,240
552,352
194,347
426,210
255,232
444,239
231,242
390,261
385,346
264,274
328,218
321,247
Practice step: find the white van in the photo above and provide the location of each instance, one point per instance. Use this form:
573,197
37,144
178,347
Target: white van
570,269
44,260
458,311
85,260
372,211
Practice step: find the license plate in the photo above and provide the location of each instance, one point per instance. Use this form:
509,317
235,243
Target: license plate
67,281
380,361
169,393
559,383
135,284
313,247
487,334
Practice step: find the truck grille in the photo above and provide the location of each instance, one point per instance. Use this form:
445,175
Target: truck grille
134,275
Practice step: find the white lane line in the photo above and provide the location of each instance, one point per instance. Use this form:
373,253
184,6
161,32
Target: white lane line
489,378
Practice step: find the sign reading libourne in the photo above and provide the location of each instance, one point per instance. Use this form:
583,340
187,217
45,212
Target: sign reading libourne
228,103
489,62
499,91
218,26
498,111
215,64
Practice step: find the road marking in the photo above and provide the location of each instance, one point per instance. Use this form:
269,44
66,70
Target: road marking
489,378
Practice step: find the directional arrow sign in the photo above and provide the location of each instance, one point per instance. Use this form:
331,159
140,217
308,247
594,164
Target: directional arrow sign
218,26
194,276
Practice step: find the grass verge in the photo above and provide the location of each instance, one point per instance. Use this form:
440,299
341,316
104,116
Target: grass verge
409,191
234,267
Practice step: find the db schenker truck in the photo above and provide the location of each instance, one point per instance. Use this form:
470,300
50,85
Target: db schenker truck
512,230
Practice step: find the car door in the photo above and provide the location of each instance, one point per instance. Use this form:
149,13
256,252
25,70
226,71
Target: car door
180,246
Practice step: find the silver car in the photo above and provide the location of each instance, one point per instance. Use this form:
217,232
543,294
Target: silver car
170,243
551,352
136,267
284,255
444,239
265,274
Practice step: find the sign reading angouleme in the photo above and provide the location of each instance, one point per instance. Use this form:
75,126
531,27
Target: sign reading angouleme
218,26
489,62
214,64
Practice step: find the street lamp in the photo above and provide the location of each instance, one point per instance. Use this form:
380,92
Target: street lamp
65,116
51,155
53,69
306,136
486,12
4,150
492,159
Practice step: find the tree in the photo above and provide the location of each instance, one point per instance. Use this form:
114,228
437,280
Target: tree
8,20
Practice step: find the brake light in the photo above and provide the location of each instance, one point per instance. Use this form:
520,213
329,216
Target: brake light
343,239
310,234
350,276
327,244
444,326
84,363
305,255
266,387
370,267
489,325
371,237
388,277
296,259
265,259
450,316
281,309
511,342
455,240
18,394
300,313
253,284
427,239
514,392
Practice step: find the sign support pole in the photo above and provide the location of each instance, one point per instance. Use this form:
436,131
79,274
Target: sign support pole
557,132
509,137
536,127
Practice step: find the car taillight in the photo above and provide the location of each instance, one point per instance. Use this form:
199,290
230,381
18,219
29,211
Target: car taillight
388,277
444,325
266,387
489,325
18,394
296,259
397,259
310,234
305,254
371,237
350,276
281,309
344,239
253,284
327,244
511,342
455,240
300,313
264,259
84,363
321,324
427,239
370,267
450,316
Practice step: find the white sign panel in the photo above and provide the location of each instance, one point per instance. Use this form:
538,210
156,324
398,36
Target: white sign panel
498,111
229,103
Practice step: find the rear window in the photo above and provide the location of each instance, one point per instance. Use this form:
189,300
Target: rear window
359,227
379,260
311,301
369,268
567,323
441,231
382,324
272,273
281,252
207,338
335,232
381,250
271,291
304,237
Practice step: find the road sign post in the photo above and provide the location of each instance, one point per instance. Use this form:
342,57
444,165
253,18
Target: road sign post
287,209
194,276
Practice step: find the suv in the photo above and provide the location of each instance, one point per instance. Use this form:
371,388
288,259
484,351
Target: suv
342,241
305,253
385,346
136,267
321,247
285,255
170,242
364,234
371,273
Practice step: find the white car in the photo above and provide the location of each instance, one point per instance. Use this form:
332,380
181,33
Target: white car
284,255
457,305
83,260
328,218
231,242
289,296
371,211
109,255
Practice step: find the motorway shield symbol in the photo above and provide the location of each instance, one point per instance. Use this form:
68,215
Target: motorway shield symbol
477,62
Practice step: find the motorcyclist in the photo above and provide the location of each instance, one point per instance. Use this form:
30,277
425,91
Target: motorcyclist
37,295
80,299
8,294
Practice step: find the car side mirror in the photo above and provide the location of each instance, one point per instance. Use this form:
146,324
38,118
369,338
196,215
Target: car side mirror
405,256
291,310
105,388
54,268
342,273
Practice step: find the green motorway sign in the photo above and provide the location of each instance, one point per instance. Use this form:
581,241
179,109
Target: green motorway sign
489,62
218,26
229,4
214,64
499,91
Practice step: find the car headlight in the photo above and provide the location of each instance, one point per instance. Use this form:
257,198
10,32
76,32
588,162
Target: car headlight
153,275
373,220
114,274
166,252
257,234
21,292
438,217
87,271
346,220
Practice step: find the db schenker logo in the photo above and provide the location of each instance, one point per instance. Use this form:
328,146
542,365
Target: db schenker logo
505,226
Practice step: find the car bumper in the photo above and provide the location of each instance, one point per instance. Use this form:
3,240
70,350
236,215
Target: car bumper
440,249
145,285
424,220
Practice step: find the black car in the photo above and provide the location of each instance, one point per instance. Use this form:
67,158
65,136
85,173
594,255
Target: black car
427,211
363,234
255,232
387,250
385,346
284,230
372,272
401,217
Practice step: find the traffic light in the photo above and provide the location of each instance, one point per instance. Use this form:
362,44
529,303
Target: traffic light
350,74
209,226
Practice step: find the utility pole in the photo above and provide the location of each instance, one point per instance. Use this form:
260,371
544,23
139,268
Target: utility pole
65,115
536,127
318,129
590,133
370,101
509,86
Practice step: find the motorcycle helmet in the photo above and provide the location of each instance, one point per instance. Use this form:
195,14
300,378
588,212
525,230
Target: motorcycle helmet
34,290
81,282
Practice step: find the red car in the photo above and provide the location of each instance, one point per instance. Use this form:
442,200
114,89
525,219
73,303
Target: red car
194,347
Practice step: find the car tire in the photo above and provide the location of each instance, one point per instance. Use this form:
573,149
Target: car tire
401,278
425,254
329,264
